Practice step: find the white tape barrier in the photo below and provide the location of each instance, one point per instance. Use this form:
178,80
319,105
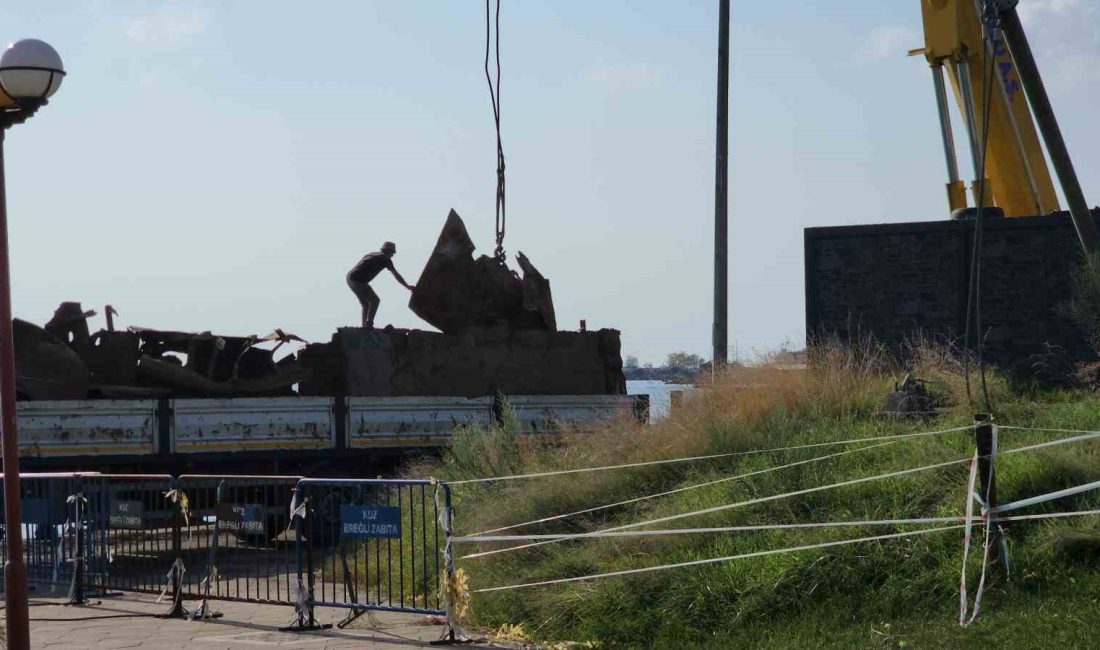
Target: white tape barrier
968,528
739,504
716,560
698,458
683,489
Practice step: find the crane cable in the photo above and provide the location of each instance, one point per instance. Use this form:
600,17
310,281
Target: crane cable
494,96
991,19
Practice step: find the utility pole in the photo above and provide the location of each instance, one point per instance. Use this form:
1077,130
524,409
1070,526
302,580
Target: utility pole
721,172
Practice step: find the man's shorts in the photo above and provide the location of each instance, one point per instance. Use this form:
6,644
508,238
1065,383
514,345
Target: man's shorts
363,292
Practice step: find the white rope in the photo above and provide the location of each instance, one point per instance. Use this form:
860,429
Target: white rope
473,539
718,559
731,506
1054,443
762,527
1050,515
696,458
1040,430
1043,498
683,489
736,529
910,533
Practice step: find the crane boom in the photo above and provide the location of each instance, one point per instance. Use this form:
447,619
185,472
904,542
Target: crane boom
1019,179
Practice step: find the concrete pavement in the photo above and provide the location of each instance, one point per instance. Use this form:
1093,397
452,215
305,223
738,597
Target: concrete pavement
130,621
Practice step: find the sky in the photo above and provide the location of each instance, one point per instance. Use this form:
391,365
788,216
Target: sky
213,165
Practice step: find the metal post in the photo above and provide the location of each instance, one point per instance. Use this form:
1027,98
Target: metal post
299,539
1032,81
453,624
987,478
77,596
303,550
970,118
176,576
15,571
721,225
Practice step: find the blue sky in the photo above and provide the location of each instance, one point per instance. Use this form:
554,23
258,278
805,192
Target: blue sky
220,165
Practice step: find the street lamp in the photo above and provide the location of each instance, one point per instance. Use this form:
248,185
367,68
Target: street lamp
30,72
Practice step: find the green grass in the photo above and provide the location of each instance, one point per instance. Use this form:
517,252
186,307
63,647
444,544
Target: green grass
894,593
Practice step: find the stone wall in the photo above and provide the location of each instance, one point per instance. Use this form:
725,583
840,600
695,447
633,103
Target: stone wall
475,363
893,281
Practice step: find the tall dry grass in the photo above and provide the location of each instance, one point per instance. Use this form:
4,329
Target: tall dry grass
838,396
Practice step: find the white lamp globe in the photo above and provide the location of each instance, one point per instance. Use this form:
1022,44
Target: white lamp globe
30,69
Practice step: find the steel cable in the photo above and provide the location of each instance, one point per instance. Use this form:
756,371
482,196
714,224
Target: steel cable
974,295
494,96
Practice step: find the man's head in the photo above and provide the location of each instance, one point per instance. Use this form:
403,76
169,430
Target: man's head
389,249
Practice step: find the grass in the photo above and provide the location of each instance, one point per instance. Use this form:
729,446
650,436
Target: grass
893,593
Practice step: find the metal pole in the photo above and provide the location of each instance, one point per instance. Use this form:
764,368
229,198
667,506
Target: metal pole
721,253
972,126
1030,79
15,571
945,124
987,478
956,191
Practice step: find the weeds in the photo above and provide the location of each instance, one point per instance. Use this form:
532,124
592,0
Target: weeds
785,599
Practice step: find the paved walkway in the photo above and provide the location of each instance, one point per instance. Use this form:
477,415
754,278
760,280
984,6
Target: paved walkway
130,622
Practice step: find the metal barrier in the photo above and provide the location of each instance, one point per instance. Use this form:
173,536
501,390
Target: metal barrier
142,525
359,545
375,544
237,543
62,534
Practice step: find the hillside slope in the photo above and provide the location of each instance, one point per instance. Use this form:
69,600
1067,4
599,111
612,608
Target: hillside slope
900,592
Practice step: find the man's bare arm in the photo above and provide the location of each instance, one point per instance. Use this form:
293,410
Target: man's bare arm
401,279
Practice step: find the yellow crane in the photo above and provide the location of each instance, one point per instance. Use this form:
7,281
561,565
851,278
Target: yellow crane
980,47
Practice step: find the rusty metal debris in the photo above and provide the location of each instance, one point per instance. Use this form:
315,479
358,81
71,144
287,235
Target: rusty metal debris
499,334
45,367
457,292
64,360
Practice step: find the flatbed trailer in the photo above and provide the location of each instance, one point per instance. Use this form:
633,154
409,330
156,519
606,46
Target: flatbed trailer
277,433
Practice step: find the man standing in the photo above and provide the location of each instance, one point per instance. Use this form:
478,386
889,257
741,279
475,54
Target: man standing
360,276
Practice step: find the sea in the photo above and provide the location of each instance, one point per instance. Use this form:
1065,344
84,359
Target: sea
659,395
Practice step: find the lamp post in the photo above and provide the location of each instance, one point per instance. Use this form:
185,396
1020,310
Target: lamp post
30,72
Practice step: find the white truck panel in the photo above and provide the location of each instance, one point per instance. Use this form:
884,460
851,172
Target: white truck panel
544,413
252,424
412,421
87,427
